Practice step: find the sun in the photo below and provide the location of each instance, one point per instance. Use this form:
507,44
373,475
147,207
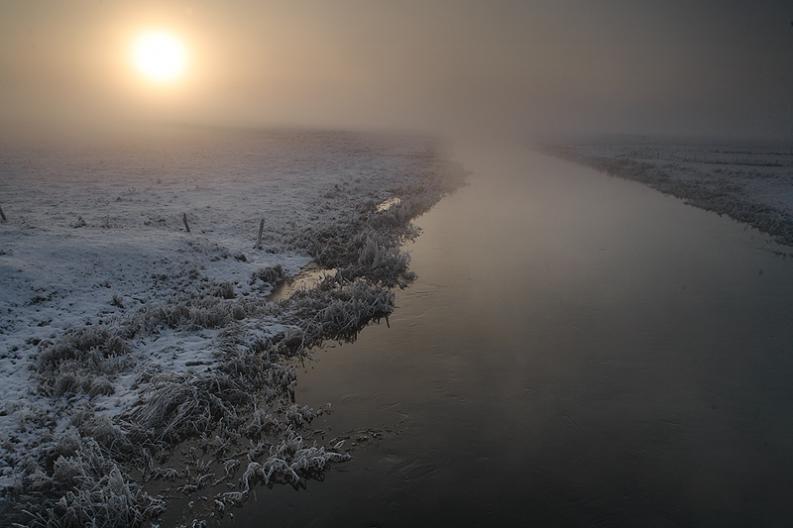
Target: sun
159,56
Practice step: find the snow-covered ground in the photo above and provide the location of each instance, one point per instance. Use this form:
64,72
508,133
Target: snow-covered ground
751,182
106,298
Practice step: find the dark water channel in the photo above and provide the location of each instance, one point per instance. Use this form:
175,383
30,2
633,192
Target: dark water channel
577,351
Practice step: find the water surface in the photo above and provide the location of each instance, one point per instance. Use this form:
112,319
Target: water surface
578,350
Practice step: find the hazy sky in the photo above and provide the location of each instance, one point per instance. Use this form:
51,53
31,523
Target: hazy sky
718,67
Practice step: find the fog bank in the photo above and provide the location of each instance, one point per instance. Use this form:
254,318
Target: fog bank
502,67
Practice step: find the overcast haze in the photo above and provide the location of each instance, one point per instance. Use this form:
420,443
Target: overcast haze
694,68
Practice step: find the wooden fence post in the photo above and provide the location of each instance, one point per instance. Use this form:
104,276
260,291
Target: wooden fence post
259,238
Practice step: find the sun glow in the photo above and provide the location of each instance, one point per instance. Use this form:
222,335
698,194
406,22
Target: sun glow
159,56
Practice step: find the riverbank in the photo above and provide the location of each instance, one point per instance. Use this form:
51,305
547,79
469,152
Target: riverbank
750,182
137,315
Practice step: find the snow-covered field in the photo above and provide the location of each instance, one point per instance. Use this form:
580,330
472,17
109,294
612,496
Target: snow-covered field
751,182
122,334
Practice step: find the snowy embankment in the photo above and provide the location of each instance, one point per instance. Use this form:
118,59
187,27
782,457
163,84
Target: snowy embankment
751,183
136,312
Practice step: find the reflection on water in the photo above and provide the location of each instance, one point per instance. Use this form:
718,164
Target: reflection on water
577,351
388,204
309,277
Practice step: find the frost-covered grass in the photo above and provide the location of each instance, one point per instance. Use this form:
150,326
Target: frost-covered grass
136,352
750,182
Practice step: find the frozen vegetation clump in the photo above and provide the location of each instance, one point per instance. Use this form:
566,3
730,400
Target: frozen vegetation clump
187,376
338,309
92,489
82,361
379,260
291,461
